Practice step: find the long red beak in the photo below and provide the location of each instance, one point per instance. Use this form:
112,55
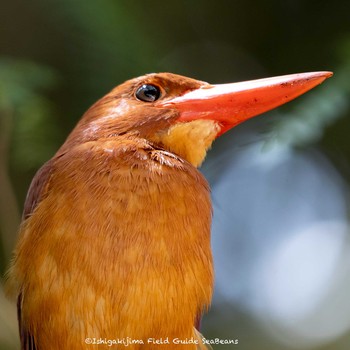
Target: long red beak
231,104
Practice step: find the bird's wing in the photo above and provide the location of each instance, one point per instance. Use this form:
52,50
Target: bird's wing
201,345
197,323
38,188
27,340
36,193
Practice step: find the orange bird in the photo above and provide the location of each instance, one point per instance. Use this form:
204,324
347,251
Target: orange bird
115,240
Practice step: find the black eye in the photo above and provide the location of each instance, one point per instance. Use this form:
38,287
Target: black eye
148,93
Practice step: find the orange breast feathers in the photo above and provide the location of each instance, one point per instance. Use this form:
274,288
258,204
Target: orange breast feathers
114,248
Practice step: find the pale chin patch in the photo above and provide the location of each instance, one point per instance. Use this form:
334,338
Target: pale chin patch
189,140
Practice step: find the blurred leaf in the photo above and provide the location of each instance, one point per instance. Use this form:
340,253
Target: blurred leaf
34,132
35,137
20,79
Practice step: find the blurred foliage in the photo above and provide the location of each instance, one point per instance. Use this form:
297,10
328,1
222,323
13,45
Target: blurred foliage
58,57
307,122
21,98
26,125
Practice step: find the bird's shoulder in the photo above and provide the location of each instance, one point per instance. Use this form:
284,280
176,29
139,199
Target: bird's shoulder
128,155
95,161
37,188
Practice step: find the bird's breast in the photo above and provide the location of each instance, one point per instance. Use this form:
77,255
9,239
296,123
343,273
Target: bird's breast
123,244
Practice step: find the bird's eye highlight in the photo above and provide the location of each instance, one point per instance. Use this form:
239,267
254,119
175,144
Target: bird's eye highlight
148,93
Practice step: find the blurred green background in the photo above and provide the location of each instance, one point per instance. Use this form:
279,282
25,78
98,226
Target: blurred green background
58,57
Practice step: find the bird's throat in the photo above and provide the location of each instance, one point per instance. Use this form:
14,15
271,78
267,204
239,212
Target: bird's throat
190,140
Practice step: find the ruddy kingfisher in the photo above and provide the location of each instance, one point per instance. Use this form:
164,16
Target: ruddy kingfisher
115,238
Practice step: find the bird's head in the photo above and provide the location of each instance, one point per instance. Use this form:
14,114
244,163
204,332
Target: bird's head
183,115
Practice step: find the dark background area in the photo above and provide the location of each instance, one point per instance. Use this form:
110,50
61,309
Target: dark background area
279,181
